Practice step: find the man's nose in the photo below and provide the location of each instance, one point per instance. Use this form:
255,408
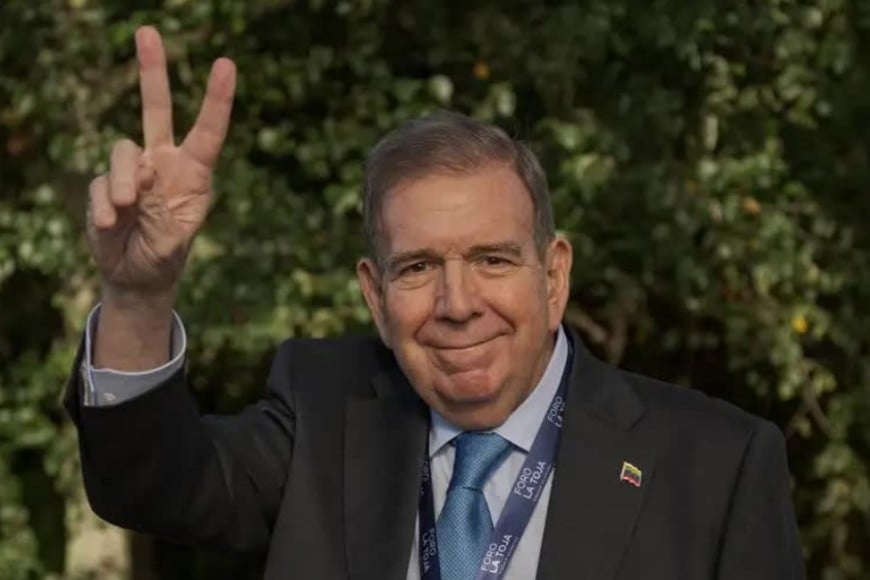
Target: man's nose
458,299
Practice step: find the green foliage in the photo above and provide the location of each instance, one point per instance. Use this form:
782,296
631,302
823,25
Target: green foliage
708,160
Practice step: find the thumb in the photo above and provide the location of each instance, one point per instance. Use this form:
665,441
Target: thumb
150,202
146,176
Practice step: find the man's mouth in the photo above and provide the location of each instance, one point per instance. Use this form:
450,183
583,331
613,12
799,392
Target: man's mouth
455,358
460,346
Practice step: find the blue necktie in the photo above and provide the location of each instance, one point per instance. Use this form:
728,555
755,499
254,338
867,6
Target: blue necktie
465,523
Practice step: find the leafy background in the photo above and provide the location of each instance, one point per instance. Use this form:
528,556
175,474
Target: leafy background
709,161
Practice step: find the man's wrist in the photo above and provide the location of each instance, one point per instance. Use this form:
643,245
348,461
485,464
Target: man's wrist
133,330
132,300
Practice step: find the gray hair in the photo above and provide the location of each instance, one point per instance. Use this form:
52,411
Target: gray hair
452,143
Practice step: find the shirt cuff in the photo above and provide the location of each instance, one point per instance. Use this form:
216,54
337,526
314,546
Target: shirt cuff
107,387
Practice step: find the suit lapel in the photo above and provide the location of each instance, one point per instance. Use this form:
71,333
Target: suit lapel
383,459
592,512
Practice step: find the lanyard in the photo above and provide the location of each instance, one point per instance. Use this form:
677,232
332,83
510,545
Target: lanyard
520,503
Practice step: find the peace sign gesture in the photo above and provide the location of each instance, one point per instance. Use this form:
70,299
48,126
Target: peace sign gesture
145,212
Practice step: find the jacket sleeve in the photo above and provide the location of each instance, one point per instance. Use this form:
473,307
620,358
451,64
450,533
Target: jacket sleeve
152,464
761,538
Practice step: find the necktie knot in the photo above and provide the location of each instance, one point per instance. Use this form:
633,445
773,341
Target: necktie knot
477,456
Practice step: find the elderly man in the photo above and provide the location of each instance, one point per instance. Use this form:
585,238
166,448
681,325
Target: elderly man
476,438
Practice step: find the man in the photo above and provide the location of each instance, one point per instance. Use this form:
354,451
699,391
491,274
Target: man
476,439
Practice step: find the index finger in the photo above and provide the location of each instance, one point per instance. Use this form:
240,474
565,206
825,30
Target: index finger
154,87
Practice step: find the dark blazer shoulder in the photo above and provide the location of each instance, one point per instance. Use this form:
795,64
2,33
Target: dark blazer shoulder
692,414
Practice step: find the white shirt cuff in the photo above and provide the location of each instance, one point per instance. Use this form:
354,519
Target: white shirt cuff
106,387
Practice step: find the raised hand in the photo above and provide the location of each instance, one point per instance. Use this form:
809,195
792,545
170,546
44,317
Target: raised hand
144,213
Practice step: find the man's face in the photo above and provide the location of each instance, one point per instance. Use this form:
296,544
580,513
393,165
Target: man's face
463,299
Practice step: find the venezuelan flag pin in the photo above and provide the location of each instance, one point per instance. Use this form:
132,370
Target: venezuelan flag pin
631,474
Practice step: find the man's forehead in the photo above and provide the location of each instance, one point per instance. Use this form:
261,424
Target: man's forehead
480,201
402,241
453,213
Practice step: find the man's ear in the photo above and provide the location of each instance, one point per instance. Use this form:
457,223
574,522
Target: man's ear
370,281
558,265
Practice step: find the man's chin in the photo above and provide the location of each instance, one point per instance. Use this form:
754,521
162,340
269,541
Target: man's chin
467,388
471,405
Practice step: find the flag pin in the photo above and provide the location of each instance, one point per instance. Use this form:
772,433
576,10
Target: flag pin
631,474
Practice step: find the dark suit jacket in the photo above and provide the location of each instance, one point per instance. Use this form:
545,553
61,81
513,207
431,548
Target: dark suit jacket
323,473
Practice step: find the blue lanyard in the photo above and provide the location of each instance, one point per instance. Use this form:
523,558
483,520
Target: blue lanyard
519,506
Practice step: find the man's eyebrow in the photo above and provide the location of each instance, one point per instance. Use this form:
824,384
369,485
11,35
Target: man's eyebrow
510,248
400,258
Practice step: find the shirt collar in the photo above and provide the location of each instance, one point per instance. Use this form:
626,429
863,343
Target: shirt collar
522,425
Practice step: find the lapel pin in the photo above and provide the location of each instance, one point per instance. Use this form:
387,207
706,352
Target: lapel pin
631,474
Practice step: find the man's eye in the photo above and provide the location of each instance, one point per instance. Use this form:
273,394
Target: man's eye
495,262
494,265
415,268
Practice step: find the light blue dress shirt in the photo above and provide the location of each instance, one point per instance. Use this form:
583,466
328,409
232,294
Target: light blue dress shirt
106,387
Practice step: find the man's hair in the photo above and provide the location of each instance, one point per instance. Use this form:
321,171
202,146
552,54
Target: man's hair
448,143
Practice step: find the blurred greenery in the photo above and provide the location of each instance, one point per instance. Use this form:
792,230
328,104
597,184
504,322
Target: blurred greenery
709,161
